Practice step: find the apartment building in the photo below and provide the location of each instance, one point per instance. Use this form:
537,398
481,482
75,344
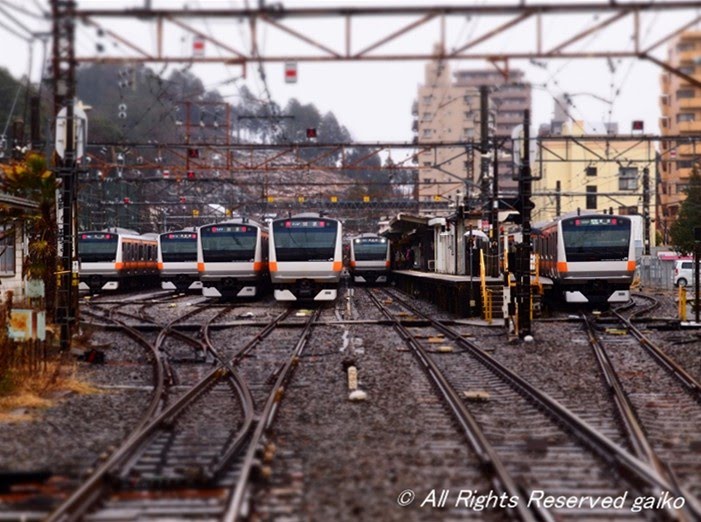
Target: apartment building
446,113
511,97
680,104
448,110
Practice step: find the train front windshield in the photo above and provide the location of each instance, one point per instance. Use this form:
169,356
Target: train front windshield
178,247
596,238
370,249
225,243
305,239
97,247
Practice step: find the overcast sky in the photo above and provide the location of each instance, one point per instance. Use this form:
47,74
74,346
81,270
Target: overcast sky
373,99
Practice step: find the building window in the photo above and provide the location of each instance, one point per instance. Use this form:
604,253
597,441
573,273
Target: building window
685,164
428,181
628,178
7,252
685,93
685,116
685,46
427,116
427,100
686,69
591,171
628,211
427,133
681,187
469,133
591,197
427,163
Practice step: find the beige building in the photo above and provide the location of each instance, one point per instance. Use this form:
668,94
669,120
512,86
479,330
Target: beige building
448,110
680,105
446,113
593,174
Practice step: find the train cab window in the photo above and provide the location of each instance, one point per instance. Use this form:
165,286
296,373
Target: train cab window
97,247
596,238
225,243
370,249
305,239
180,246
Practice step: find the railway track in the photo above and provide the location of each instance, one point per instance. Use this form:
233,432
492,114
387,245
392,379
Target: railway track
659,401
524,425
193,457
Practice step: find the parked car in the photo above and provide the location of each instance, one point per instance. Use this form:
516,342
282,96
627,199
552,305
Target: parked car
683,272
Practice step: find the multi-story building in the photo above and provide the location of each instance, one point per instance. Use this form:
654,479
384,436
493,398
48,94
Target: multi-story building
595,171
510,97
446,113
680,104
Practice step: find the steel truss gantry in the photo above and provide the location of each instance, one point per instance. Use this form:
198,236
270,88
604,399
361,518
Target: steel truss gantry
532,18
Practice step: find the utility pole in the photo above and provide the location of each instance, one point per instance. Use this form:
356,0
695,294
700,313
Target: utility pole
485,198
494,236
697,283
646,211
523,252
63,59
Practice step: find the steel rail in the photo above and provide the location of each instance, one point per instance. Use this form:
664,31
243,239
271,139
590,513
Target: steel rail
79,501
634,430
486,453
637,471
235,503
692,385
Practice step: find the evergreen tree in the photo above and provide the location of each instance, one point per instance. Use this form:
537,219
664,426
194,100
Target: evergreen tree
32,180
682,230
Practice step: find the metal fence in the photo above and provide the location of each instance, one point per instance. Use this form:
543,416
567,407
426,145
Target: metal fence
656,273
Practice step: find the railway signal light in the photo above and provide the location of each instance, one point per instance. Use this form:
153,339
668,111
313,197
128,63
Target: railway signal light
183,199
127,201
311,133
193,153
190,174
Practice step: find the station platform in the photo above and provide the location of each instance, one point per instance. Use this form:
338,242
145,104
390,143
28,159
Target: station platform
457,294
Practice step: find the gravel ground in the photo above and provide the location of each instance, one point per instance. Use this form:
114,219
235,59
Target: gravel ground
335,459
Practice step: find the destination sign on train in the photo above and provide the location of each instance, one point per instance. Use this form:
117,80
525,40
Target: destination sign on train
182,235
99,236
306,224
228,229
594,221
371,240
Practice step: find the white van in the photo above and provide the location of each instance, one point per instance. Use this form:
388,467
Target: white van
683,272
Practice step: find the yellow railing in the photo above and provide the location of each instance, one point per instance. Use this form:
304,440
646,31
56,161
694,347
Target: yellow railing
486,294
682,303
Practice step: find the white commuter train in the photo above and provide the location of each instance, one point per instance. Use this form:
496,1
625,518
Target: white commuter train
369,259
177,260
112,260
589,258
306,257
232,258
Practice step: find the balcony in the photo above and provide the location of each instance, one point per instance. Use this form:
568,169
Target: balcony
689,149
688,56
689,126
690,103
